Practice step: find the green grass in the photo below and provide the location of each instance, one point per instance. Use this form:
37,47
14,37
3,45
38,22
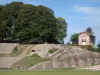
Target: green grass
5,69
49,73
52,50
16,52
65,69
28,62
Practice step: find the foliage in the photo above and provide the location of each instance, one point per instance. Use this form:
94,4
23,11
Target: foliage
61,29
26,23
16,52
52,50
94,49
89,29
98,45
74,38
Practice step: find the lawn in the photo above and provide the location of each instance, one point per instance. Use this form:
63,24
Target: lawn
50,73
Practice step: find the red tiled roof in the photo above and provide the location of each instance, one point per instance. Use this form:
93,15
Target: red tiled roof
86,33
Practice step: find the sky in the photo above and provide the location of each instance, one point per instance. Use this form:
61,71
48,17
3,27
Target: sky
79,14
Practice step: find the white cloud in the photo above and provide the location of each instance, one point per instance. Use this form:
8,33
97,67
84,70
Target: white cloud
82,9
92,11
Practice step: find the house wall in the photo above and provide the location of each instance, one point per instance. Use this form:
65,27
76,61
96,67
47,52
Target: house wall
83,37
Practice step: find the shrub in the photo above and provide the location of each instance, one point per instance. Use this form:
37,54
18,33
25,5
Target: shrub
15,51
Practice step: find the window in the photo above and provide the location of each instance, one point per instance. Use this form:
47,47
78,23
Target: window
83,40
33,51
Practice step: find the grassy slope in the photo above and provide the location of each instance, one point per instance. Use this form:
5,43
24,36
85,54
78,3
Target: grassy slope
28,62
50,73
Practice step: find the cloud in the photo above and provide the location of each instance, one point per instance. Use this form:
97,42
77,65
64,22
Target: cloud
82,9
91,11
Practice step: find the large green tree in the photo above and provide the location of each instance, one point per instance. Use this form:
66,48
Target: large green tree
61,29
31,24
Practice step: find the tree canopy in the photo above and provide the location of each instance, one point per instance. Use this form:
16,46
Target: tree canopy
89,29
30,24
74,38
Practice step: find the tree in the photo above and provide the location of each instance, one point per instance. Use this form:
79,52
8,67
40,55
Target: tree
61,29
89,29
31,24
74,38
98,45
8,17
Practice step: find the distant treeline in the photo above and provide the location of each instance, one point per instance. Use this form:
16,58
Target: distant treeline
26,23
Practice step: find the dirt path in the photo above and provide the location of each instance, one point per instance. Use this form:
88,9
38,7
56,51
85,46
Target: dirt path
95,67
6,62
24,52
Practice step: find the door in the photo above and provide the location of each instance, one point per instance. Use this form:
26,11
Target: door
84,43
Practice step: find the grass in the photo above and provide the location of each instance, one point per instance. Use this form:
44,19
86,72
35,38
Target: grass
16,52
50,73
65,69
5,69
28,62
52,50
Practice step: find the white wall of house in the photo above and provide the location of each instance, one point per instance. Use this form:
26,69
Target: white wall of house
84,39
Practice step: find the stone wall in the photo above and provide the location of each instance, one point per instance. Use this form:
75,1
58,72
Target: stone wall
7,48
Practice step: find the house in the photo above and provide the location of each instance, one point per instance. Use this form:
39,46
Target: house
86,38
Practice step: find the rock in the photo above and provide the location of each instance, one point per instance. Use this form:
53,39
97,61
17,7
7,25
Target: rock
42,66
66,57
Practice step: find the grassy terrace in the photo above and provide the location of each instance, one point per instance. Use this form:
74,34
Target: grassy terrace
28,62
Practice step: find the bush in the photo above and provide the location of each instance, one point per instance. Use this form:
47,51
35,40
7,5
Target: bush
94,49
15,51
